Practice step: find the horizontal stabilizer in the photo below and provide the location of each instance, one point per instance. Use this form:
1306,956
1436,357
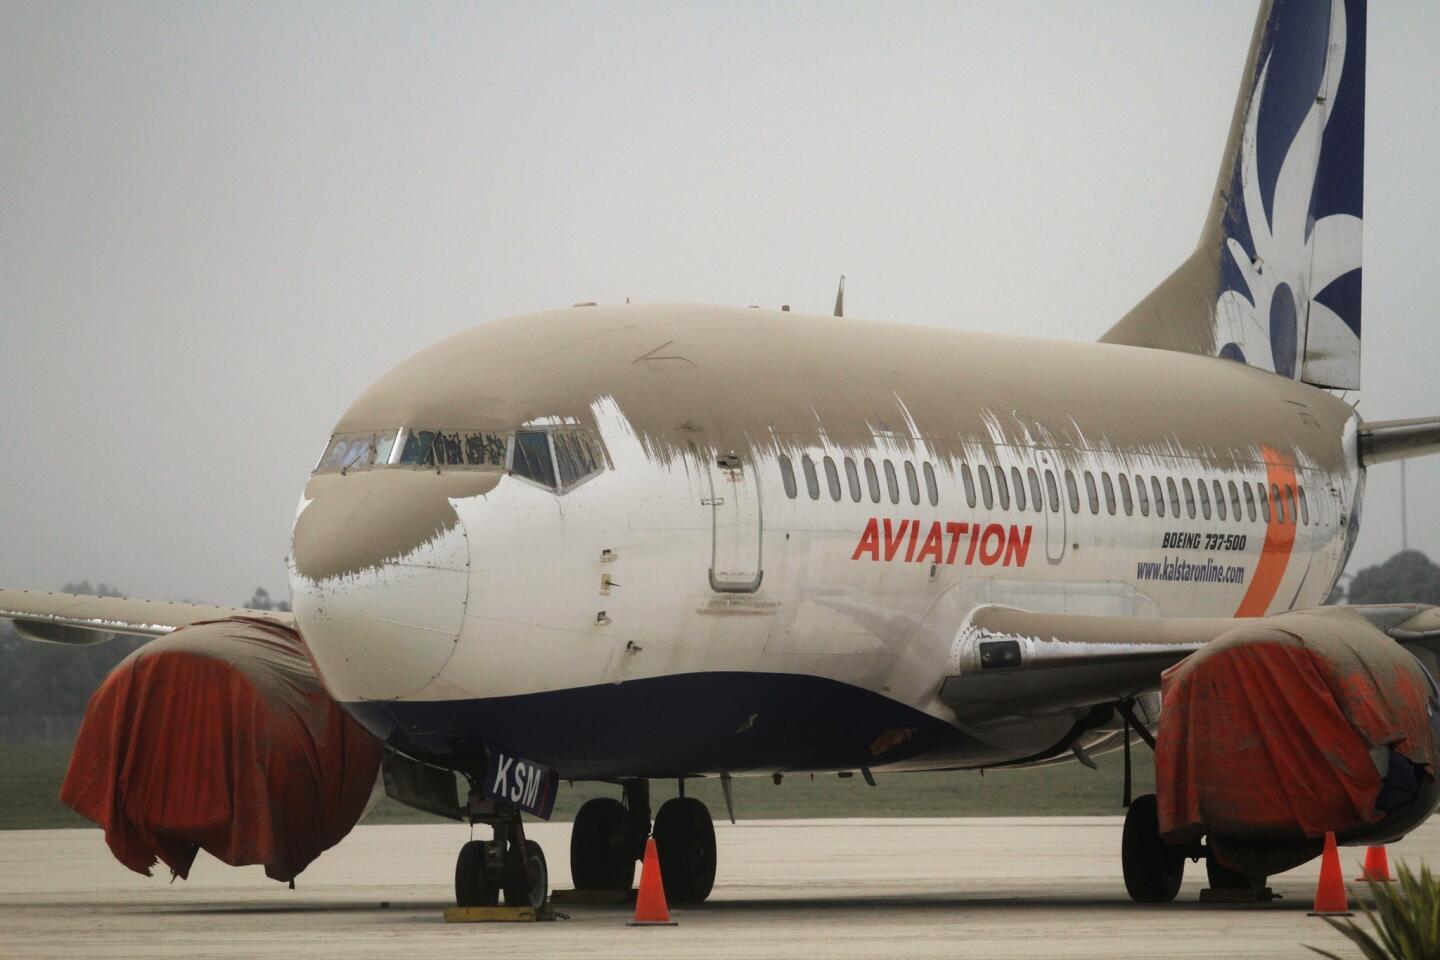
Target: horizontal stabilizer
80,619
1383,441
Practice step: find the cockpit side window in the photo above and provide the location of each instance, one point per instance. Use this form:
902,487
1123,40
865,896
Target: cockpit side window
419,448
531,458
484,449
448,451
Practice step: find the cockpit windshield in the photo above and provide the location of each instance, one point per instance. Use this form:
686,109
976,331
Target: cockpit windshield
558,458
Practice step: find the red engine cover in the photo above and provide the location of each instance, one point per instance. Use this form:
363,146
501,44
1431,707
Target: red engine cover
220,736
1283,728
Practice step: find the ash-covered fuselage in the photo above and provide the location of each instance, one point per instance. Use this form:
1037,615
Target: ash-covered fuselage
653,541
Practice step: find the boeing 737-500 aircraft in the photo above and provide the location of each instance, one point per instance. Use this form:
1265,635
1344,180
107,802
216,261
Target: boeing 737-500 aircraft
634,543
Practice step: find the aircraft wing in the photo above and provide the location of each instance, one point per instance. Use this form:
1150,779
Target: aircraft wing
1007,662
79,619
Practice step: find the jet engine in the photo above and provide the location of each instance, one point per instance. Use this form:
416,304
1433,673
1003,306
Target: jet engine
220,736
1290,726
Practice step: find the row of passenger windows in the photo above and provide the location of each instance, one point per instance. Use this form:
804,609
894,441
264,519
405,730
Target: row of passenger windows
1205,498
852,479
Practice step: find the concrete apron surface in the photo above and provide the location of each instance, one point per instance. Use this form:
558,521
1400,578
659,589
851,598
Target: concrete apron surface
961,887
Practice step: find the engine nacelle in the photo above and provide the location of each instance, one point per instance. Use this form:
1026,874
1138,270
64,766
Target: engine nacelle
1288,727
220,737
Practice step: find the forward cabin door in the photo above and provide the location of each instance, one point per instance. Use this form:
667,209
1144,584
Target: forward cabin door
735,510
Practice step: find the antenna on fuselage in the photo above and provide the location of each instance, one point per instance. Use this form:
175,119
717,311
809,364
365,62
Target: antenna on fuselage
840,298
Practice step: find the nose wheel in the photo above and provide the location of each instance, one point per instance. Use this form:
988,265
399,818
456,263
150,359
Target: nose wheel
508,864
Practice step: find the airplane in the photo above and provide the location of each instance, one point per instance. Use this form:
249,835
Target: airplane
638,543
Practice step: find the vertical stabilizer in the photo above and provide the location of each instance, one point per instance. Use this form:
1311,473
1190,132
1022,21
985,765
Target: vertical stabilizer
1275,279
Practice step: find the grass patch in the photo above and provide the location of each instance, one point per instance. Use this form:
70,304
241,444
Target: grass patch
30,780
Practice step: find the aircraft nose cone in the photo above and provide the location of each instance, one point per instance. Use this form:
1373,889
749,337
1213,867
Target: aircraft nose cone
380,579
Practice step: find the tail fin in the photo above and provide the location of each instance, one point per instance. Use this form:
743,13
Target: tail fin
1275,279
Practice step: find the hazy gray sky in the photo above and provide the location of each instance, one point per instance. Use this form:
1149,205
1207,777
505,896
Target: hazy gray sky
220,222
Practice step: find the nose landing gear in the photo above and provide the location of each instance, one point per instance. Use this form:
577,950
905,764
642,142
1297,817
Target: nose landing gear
509,863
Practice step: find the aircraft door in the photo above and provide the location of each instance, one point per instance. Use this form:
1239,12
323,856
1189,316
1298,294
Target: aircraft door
735,510
1056,511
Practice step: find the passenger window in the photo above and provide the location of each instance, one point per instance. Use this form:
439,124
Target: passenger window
812,482
1109,492
1290,504
1091,494
872,480
1125,500
787,476
1052,492
912,482
1234,500
832,479
985,491
1304,506
892,484
1158,495
1249,502
1019,486
1219,500
1002,489
930,486
852,476
1279,503
1073,491
969,482
531,458
1037,499
1264,498
1175,499
1189,498
419,444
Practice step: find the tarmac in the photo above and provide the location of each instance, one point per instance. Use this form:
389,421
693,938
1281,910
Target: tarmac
970,887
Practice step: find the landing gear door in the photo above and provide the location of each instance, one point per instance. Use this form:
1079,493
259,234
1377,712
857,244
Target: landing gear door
735,510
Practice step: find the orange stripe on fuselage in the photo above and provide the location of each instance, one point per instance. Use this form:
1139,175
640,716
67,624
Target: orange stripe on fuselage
1279,542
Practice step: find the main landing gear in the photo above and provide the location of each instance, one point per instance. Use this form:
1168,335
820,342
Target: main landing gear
608,838
508,864
1155,869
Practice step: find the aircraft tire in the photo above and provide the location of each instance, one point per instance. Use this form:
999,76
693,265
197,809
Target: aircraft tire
600,857
1222,877
517,892
472,888
685,841
1153,869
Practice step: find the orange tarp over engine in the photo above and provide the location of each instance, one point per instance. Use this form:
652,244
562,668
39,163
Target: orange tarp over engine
220,736
1291,726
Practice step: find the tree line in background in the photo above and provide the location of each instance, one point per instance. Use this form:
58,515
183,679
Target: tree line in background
47,678
56,679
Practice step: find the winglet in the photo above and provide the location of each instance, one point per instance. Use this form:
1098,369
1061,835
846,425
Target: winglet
840,298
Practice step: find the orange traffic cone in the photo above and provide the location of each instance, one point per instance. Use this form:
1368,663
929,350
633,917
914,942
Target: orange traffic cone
1377,866
650,907
1330,899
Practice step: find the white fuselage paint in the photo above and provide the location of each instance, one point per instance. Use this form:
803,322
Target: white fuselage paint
611,581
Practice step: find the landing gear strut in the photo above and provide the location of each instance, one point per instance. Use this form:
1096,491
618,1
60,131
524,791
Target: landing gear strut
608,838
509,863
